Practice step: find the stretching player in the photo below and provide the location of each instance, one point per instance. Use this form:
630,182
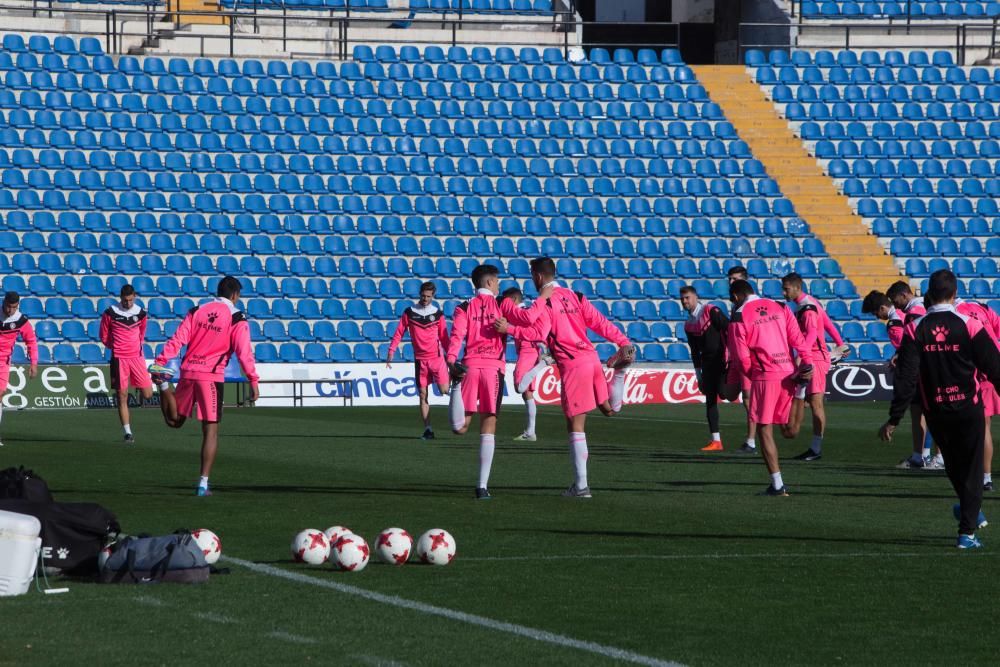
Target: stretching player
742,383
429,335
705,329
564,316
987,392
762,336
899,310
811,317
14,326
938,364
123,331
212,332
479,379
530,360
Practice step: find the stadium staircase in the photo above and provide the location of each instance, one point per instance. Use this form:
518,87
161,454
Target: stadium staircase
800,178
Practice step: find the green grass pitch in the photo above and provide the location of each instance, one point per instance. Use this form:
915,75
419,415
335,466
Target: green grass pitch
674,559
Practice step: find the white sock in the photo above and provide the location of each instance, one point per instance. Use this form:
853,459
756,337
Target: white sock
987,477
486,447
128,429
203,482
164,386
1,411
752,442
776,480
716,436
456,407
578,452
817,444
617,388
529,377
532,411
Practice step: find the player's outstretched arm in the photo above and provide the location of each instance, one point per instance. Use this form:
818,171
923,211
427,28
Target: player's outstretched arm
523,317
601,325
240,341
397,337
795,338
104,332
459,329
986,355
905,379
31,342
180,338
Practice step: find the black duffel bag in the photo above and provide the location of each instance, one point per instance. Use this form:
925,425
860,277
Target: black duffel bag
73,534
23,485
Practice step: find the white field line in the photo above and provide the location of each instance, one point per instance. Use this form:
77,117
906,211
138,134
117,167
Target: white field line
451,614
376,661
149,601
293,639
212,617
609,557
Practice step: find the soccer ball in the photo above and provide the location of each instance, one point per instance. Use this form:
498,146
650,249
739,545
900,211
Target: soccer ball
334,533
350,553
311,546
436,547
209,543
393,546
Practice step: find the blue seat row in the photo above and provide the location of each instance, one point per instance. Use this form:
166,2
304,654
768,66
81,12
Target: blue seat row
852,58
14,43
917,10
911,228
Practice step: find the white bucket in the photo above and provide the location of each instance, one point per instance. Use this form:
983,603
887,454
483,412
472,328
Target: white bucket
19,548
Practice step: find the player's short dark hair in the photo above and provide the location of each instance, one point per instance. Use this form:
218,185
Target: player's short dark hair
127,290
481,273
543,266
942,286
11,298
512,293
873,301
229,287
792,279
689,289
429,287
733,270
898,288
740,288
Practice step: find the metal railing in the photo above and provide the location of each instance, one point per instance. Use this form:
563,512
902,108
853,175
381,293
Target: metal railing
961,37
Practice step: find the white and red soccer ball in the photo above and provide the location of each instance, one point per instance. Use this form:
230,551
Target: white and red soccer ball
350,553
334,533
393,546
311,547
209,543
436,547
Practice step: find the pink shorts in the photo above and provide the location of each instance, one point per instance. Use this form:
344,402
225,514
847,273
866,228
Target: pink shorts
584,387
817,383
771,401
4,378
129,371
431,371
482,390
991,400
201,399
525,362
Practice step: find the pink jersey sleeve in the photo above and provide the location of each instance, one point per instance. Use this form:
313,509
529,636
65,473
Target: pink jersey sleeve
404,323
536,333
812,333
443,334
105,332
520,316
795,339
831,329
178,340
240,340
992,323
739,353
600,324
459,328
31,341
142,331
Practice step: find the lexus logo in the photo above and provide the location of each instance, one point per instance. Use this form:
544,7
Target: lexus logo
853,381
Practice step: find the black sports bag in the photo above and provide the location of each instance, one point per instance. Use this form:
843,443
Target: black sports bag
73,534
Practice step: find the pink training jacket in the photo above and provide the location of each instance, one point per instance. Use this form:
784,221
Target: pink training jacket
428,332
986,316
567,317
763,339
212,332
831,329
15,326
472,324
525,342
811,318
897,328
123,331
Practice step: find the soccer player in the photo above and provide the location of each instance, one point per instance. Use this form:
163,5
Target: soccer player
564,318
811,317
212,332
938,364
899,308
705,329
14,326
987,392
479,379
123,331
742,385
429,333
762,336
530,360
